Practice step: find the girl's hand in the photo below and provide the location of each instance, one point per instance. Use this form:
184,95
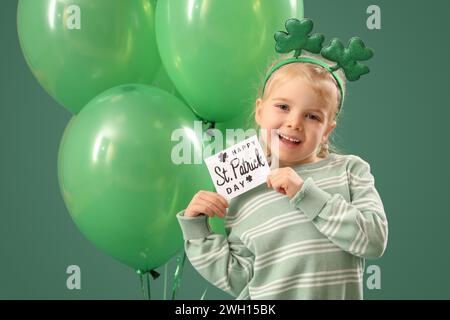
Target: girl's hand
285,181
208,203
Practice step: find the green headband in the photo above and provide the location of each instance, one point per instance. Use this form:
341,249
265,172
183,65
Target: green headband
297,38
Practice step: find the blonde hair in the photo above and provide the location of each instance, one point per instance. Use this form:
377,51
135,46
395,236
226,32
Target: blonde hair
319,78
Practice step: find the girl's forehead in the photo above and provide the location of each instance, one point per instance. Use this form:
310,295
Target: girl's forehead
296,89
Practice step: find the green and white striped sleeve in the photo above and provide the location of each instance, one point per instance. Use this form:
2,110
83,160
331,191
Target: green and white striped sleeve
223,261
359,227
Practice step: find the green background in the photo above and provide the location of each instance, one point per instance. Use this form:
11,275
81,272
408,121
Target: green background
395,118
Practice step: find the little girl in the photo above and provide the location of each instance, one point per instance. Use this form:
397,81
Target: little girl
304,234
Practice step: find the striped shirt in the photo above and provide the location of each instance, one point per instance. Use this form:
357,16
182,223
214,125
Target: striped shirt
312,246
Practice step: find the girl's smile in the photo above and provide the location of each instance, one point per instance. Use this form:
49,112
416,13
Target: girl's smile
288,141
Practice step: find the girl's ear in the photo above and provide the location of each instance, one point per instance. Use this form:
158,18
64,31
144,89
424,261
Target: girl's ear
258,104
329,130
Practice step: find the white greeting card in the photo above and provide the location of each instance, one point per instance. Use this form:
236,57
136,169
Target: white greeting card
238,168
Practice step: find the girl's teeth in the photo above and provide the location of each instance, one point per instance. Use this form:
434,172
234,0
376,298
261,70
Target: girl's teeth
287,138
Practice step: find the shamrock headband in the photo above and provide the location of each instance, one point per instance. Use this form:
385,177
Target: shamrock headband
297,38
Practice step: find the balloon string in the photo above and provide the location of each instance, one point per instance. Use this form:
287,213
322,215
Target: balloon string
147,274
165,281
142,284
204,294
148,287
178,274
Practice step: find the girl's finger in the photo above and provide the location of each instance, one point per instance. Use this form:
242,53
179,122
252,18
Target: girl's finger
269,182
217,197
218,200
216,207
276,181
203,209
279,185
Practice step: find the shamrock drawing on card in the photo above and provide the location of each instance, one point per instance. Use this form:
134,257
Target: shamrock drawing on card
238,168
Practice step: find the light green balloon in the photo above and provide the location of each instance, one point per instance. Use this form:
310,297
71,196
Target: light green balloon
117,177
79,48
163,81
216,52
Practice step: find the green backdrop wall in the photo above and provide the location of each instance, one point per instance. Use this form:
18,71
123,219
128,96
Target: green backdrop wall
396,118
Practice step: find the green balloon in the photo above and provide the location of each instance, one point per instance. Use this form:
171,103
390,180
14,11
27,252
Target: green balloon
231,129
119,181
163,81
216,52
79,48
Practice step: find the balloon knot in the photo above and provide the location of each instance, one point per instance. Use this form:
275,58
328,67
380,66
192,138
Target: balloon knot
154,274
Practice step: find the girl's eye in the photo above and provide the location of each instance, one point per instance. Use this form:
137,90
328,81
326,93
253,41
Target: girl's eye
283,106
314,117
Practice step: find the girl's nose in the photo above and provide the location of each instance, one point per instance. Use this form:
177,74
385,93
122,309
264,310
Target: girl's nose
295,122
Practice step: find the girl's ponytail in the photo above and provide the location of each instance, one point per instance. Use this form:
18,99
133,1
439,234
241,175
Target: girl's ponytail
324,150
